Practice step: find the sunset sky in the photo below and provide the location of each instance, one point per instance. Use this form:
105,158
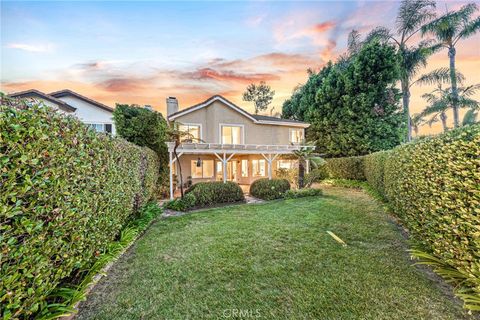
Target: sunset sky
142,52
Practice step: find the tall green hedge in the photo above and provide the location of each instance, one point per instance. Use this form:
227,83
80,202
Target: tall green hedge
433,186
346,168
65,192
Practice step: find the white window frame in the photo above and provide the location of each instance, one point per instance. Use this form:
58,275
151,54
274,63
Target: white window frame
264,168
242,161
90,125
296,129
242,128
199,125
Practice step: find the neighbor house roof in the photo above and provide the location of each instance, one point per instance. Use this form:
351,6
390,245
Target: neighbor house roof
36,93
259,119
67,92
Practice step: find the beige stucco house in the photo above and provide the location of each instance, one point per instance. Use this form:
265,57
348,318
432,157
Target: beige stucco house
230,144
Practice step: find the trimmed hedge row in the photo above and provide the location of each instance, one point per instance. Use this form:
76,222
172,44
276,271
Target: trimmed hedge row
65,193
267,189
215,192
345,168
433,186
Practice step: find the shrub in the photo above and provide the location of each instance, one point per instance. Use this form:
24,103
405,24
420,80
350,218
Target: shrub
316,175
301,193
216,192
350,168
269,189
65,194
289,174
433,185
182,204
145,128
374,170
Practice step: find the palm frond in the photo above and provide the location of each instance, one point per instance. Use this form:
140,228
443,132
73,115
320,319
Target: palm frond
470,117
440,75
411,15
470,29
469,90
381,34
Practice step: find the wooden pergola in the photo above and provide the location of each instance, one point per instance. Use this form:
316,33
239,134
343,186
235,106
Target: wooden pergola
225,152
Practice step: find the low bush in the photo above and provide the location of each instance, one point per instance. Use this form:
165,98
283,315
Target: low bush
182,204
216,192
269,189
65,194
301,193
316,175
351,168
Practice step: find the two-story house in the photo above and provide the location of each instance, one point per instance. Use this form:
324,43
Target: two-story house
230,144
91,112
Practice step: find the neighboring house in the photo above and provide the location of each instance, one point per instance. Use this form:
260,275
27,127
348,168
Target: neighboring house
91,112
234,144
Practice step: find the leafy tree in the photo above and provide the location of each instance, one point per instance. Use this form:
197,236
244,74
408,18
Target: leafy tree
449,29
146,128
411,16
356,110
261,95
303,99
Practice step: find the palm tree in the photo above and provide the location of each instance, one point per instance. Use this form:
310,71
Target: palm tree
416,122
411,16
306,155
470,117
449,29
174,134
441,100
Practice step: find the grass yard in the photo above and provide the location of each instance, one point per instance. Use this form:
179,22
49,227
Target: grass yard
272,260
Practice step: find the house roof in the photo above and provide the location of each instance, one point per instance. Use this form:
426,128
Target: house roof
33,92
259,119
67,92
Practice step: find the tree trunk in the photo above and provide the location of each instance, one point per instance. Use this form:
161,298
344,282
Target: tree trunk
453,79
179,169
301,173
406,106
443,117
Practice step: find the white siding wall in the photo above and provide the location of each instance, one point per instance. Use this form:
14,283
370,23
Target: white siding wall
88,113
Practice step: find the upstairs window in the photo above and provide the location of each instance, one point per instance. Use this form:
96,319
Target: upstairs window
231,134
296,135
193,131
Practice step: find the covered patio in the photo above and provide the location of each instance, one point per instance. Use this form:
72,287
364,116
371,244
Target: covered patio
223,153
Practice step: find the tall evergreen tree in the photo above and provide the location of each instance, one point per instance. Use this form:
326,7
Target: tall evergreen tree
357,105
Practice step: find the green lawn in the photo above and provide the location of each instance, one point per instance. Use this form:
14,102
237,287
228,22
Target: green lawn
274,260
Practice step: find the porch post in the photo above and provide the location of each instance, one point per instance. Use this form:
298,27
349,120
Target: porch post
307,166
171,174
224,163
269,160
